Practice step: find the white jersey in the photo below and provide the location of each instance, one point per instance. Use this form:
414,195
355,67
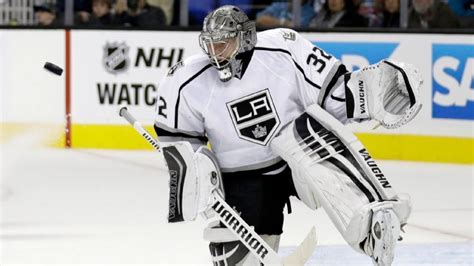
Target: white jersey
285,74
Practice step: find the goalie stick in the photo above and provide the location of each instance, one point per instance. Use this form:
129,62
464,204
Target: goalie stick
228,216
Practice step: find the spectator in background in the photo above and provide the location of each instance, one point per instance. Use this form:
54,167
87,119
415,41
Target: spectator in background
46,15
391,14
141,14
121,12
371,10
166,6
101,13
338,13
279,14
318,5
429,14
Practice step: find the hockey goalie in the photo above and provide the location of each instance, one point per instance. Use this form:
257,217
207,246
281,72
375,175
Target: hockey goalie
273,107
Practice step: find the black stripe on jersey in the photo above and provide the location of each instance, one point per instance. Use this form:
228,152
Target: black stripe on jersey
341,70
182,87
296,64
407,83
163,132
303,132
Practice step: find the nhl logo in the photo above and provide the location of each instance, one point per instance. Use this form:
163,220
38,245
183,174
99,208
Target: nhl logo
287,35
115,58
255,117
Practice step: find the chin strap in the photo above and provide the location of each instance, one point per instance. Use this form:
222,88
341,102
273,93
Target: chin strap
225,74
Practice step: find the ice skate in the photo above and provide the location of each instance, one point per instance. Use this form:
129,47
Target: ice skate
384,234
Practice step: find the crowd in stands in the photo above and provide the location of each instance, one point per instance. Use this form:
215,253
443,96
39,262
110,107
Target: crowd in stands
98,13
370,13
314,14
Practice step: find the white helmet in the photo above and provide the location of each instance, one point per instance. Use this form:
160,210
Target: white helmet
227,32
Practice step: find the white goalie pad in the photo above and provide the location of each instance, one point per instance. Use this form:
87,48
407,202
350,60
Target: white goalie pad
387,92
331,168
193,177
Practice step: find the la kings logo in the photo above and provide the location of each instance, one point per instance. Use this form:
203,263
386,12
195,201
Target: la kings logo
115,57
254,117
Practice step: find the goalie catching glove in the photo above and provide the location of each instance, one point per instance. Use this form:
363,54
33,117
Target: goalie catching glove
193,177
387,92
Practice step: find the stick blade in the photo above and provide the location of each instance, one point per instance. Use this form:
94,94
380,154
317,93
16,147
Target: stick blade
304,251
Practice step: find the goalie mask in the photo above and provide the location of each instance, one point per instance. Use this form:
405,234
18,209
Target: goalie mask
227,32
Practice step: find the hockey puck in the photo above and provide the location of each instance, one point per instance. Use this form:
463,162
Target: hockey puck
53,68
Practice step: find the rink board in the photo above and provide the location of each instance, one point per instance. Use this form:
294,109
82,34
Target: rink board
109,69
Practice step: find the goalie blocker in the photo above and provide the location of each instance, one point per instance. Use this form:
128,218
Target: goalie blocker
193,177
331,168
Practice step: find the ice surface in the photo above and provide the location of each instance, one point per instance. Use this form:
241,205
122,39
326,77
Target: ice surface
109,207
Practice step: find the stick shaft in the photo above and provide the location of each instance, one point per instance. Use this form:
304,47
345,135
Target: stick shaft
138,127
256,245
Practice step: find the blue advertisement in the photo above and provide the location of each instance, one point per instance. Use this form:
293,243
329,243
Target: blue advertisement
358,54
453,80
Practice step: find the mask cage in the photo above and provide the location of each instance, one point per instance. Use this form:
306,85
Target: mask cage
216,44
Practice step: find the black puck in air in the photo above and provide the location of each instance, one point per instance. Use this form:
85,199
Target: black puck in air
53,68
